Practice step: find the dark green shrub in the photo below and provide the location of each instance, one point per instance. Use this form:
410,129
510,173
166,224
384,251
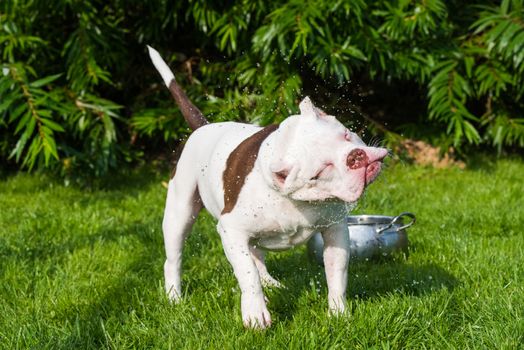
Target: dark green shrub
78,94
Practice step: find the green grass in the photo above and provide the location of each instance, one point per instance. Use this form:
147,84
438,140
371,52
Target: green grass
83,269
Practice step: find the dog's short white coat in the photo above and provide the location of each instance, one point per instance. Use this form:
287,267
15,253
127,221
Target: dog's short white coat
272,212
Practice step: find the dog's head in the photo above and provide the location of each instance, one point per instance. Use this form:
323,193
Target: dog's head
316,158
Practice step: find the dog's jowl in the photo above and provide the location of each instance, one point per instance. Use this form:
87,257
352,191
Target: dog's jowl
270,189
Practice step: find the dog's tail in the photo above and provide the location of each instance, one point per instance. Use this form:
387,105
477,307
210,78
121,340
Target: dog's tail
191,113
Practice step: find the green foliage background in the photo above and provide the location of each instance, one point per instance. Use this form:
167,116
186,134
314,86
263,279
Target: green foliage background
79,95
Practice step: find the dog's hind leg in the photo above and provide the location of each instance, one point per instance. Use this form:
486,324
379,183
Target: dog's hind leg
258,256
183,204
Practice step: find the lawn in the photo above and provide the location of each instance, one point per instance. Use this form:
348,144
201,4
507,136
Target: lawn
83,269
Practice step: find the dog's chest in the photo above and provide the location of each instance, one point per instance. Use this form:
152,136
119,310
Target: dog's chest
276,223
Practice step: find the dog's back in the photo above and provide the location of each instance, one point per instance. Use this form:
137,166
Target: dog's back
203,160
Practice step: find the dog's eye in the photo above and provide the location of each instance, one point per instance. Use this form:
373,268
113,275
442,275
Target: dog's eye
319,173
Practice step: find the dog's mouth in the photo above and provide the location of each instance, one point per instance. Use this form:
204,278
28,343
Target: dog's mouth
372,171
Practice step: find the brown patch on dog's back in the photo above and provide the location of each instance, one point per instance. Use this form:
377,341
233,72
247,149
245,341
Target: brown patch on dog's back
239,164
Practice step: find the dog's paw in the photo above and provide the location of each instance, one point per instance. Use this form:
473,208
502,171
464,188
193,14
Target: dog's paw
337,306
255,314
174,295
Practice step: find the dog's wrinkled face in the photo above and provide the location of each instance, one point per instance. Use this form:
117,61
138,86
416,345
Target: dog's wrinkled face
317,158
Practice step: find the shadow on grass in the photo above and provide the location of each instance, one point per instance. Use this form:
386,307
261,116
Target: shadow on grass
366,280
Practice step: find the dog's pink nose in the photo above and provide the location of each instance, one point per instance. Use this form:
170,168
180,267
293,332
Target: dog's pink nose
357,158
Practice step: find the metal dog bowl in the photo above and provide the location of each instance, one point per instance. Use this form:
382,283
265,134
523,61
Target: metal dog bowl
370,236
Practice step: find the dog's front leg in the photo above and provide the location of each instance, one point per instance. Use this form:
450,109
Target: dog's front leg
253,305
336,258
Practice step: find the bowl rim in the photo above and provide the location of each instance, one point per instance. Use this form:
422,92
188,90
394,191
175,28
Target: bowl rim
371,220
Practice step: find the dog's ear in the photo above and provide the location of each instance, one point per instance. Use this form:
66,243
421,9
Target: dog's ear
284,175
307,108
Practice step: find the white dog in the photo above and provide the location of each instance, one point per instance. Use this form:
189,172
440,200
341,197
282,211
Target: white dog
270,189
